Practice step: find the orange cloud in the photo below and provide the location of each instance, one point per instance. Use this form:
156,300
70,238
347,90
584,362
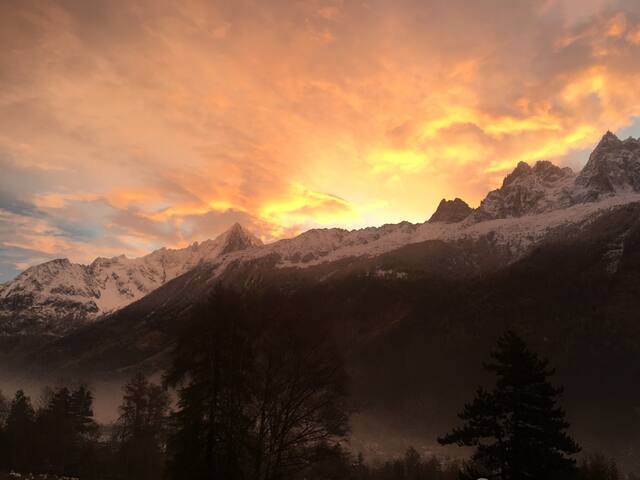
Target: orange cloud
617,25
155,124
301,208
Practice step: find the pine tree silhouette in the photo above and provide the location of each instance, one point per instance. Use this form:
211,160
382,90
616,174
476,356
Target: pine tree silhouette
518,429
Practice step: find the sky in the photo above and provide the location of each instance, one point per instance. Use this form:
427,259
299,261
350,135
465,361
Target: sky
126,126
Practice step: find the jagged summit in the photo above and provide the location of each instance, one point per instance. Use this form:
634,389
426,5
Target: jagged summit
237,238
528,190
613,167
451,211
51,266
608,139
523,169
543,171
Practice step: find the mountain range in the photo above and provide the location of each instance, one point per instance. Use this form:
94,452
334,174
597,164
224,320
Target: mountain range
551,253
58,296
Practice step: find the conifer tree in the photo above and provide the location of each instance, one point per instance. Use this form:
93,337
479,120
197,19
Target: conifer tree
19,432
141,428
517,428
211,372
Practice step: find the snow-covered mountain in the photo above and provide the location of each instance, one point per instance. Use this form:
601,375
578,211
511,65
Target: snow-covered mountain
58,295
534,203
613,168
529,190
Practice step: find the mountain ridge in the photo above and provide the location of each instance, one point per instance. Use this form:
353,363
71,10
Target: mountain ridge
532,202
57,296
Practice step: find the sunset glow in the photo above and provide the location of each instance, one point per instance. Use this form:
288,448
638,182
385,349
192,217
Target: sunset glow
127,126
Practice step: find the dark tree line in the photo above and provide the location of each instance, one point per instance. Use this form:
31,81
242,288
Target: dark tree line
56,438
412,466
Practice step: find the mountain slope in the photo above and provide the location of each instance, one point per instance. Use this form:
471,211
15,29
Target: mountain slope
140,331
56,297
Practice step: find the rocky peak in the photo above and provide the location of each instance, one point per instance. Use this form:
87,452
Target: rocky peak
451,211
237,238
609,139
522,170
528,190
47,269
613,167
542,172
547,172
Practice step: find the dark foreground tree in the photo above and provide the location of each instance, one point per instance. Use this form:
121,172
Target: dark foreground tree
258,394
518,429
141,429
212,367
298,406
19,441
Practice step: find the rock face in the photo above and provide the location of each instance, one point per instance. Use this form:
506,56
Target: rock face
57,296
451,211
613,167
235,239
529,190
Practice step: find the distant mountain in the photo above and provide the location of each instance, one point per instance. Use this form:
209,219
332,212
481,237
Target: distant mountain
57,296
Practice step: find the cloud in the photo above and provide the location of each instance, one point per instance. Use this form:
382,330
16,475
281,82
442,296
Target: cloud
146,123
